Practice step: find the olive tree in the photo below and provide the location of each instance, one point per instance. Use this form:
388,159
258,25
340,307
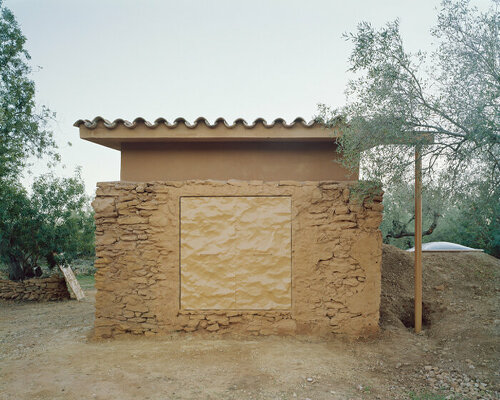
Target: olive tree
50,226
23,125
449,97
53,218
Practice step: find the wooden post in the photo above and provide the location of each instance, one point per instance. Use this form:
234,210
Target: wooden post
418,239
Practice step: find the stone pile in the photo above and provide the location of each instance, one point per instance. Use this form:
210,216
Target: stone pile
36,289
456,383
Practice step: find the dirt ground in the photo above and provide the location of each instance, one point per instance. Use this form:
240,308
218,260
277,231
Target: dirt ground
45,352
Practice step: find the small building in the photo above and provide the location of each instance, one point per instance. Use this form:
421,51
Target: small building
237,228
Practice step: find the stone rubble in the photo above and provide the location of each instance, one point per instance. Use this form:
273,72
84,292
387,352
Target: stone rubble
454,383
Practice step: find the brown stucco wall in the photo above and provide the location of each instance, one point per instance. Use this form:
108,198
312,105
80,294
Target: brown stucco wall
267,161
336,259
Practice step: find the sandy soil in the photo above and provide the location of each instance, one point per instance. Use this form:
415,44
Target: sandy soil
45,352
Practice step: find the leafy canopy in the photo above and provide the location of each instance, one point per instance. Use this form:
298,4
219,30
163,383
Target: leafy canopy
473,221
23,128
54,218
451,94
35,228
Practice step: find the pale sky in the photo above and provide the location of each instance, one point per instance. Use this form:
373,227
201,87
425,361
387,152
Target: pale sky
218,58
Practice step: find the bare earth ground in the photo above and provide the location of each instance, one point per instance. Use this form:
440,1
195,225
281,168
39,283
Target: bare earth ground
45,352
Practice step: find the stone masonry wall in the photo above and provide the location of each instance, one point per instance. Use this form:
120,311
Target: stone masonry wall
336,260
36,289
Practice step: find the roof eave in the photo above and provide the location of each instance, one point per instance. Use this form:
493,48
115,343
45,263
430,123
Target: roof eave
113,134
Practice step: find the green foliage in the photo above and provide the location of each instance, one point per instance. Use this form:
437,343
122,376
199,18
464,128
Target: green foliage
474,220
87,282
399,214
446,102
51,225
471,219
401,98
365,190
23,130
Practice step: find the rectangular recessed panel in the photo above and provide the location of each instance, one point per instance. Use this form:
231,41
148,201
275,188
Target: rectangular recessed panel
235,253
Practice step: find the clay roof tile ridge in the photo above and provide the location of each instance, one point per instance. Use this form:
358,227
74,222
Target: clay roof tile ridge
93,124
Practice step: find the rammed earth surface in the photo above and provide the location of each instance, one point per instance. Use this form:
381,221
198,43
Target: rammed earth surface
321,278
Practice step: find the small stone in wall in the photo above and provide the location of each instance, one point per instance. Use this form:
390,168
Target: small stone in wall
213,327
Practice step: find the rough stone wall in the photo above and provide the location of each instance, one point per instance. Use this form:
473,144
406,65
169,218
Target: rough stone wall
336,260
36,289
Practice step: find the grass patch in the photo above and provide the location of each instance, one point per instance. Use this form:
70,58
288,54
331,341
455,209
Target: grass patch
83,266
87,282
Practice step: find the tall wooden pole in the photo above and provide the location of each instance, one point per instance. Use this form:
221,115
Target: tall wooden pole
418,239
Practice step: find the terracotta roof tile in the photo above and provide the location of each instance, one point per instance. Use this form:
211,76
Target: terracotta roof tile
101,122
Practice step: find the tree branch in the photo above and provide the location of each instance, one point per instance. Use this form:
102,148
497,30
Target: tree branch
405,233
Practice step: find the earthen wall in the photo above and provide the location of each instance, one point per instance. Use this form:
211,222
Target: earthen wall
336,260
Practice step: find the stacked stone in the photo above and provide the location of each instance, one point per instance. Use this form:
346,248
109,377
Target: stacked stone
251,322
36,289
129,258
336,259
349,243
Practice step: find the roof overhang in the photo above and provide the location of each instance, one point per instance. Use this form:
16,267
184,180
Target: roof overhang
113,134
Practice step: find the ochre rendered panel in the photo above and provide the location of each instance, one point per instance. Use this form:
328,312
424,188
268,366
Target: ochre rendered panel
267,161
236,253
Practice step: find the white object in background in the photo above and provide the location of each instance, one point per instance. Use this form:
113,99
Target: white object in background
444,246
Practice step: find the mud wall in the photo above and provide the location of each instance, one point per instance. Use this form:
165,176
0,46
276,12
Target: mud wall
335,260
235,253
36,289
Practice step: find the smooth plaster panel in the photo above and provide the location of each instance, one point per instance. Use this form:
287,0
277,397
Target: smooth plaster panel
267,161
236,253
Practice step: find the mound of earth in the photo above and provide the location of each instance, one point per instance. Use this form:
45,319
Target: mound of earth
448,279
460,302
396,306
